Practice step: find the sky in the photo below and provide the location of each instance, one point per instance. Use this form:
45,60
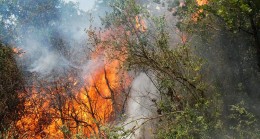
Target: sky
84,4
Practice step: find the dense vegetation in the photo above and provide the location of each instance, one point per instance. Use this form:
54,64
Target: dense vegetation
204,65
10,83
191,104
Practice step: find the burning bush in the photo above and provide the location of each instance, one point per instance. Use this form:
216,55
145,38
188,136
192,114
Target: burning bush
76,104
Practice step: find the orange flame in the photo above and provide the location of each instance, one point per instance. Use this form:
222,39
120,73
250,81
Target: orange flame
202,2
140,24
183,38
195,16
18,51
61,111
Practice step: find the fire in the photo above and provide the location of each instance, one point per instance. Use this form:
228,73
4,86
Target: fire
195,16
140,24
202,2
18,51
183,38
68,107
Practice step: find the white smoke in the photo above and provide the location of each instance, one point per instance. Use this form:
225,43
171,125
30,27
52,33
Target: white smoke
84,5
42,58
140,107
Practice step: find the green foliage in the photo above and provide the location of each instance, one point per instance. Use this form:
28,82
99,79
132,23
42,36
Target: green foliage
188,108
66,131
122,10
116,132
245,123
187,124
237,14
10,83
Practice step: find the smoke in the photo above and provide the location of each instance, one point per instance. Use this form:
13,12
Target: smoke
43,59
84,5
141,107
60,43
231,67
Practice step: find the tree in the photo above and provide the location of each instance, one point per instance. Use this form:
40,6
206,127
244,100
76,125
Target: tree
11,83
187,107
174,70
238,16
52,108
22,18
